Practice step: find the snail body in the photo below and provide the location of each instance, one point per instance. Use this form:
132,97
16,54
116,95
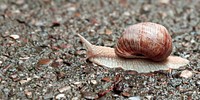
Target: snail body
137,61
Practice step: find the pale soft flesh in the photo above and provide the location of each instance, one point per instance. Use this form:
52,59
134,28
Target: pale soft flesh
105,56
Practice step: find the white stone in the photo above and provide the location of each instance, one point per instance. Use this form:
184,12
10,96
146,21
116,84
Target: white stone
186,74
25,81
60,96
126,14
134,98
63,89
94,82
14,36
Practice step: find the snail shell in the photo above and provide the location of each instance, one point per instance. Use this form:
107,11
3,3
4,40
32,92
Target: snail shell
145,40
106,56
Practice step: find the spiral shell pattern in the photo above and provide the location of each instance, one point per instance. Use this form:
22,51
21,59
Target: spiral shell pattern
145,40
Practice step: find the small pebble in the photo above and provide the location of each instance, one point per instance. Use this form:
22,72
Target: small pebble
77,14
192,41
119,87
36,76
90,95
149,97
75,98
186,74
20,2
176,82
134,98
65,46
77,83
115,95
94,82
131,72
80,52
6,91
71,9
48,96
28,93
55,64
14,36
164,1
198,82
146,7
24,58
126,13
5,68
63,89
39,23
108,32
25,81
60,96
14,77
3,6
55,48
60,75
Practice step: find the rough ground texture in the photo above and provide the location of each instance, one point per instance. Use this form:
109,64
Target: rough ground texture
42,58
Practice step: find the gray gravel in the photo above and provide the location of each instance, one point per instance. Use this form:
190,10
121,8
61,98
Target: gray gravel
42,58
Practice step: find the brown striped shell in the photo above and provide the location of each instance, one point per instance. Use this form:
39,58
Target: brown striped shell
145,40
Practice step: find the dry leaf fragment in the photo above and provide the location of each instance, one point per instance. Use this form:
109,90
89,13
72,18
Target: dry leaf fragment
126,94
44,61
106,79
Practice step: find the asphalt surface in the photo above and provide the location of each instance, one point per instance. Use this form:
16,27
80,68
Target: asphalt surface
42,58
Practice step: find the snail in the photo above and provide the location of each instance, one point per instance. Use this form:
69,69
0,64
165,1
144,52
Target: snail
143,47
